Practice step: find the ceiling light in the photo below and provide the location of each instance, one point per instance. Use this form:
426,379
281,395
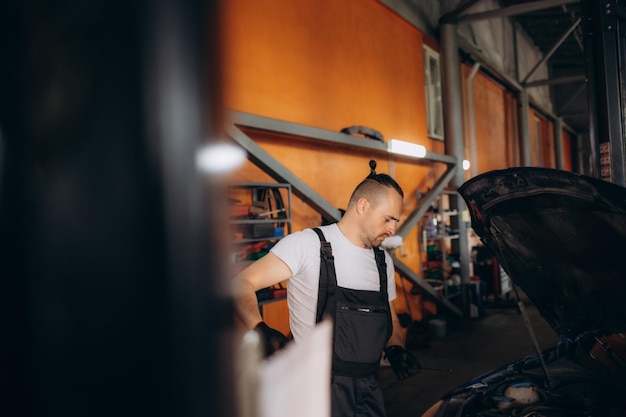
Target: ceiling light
466,165
406,148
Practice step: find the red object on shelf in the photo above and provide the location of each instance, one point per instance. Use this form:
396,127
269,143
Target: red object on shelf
239,210
433,264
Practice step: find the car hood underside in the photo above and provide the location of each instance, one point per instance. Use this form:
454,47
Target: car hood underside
562,238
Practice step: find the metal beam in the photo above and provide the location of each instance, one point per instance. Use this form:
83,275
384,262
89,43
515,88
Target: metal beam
452,101
553,81
580,155
453,128
513,10
500,76
423,205
277,171
462,8
298,130
558,142
524,128
295,129
605,50
472,118
556,46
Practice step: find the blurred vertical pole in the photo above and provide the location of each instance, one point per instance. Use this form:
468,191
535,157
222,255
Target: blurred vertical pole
110,259
580,156
524,128
558,142
453,132
604,26
185,112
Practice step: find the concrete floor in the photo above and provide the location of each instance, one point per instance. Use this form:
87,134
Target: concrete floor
470,348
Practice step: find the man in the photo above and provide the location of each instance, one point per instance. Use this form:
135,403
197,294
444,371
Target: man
339,271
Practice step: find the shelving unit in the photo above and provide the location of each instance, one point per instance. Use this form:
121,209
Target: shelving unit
437,237
260,215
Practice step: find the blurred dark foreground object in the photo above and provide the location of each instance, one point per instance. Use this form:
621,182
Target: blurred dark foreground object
109,269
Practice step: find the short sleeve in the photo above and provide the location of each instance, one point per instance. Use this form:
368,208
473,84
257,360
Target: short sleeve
297,250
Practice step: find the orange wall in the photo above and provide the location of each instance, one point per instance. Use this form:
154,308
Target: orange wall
567,152
546,146
494,115
497,129
325,63
333,64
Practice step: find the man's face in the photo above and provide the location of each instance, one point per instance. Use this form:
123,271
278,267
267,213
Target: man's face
382,219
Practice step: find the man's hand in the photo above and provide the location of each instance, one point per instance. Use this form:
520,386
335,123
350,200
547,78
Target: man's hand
404,364
273,340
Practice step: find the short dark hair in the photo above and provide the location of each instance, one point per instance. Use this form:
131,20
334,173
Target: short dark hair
372,185
387,181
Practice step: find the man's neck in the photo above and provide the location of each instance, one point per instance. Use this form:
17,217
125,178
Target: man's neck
348,231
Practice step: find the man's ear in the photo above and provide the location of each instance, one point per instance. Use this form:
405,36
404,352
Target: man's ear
361,205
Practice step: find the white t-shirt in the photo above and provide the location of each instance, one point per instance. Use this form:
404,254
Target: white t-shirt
355,268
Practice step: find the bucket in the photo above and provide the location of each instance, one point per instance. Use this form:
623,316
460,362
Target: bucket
437,328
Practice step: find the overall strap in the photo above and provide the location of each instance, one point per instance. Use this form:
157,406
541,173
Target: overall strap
384,297
382,272
328,279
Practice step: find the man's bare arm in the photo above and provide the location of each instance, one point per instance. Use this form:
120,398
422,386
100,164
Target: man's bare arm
267,271
397,337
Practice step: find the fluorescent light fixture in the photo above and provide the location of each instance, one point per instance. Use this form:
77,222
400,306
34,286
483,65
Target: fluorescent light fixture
219,158
466,165
406,148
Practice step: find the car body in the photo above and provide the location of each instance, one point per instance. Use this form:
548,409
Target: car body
561,237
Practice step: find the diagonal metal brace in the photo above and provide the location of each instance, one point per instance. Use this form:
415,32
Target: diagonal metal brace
408,273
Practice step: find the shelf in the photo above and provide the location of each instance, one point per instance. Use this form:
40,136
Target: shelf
260,216
437,242
262,200
256,239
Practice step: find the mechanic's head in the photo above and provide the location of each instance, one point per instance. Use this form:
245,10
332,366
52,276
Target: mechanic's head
376,206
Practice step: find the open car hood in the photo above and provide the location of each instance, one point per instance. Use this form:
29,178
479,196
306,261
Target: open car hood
562,238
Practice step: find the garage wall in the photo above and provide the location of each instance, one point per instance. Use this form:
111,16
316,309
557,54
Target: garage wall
495,124
327,64
568,156
330,65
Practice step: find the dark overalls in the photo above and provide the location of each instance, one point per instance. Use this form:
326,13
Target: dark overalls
362,327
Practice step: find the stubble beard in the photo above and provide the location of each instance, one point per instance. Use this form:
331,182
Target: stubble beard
378,240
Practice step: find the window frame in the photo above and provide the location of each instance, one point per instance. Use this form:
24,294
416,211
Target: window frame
433,93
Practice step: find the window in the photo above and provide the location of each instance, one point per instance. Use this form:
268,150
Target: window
434,105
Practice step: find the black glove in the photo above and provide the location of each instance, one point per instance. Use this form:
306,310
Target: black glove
273,340
403,362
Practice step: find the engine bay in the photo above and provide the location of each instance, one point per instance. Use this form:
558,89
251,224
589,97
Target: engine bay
579,383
